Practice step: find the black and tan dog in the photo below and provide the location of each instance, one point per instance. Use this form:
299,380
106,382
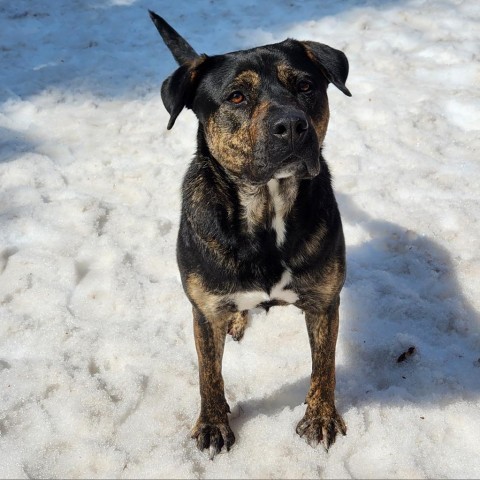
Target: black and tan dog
259,225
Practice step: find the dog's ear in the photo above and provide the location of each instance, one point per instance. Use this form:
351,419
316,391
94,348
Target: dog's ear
179,88
333,63
180,48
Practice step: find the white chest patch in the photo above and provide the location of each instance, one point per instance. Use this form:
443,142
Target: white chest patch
252,298
278,221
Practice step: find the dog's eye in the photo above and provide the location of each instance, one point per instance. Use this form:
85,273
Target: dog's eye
236,97
304,86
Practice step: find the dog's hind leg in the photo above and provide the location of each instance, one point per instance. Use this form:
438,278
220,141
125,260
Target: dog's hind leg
237,324
321,422
212,430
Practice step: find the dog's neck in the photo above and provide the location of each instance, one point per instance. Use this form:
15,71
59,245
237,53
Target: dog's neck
268,205
261,206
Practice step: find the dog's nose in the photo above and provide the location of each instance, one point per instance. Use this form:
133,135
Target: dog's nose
290,128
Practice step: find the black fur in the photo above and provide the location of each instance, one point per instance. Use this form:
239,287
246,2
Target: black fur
263,115
180,49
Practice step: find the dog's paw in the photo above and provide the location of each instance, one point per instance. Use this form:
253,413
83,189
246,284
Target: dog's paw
317,429
237,325
213,437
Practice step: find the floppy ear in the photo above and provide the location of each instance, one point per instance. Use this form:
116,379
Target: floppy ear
179,88
333,63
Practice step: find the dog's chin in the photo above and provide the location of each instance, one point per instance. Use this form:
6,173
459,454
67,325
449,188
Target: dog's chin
301,169
301,172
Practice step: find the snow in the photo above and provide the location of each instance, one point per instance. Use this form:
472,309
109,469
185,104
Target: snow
98,374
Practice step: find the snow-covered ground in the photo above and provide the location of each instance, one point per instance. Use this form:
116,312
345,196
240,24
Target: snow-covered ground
98,374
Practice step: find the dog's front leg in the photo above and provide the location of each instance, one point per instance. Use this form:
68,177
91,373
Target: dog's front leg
321,422
212,430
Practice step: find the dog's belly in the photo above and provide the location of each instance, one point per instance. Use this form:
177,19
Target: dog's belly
279,294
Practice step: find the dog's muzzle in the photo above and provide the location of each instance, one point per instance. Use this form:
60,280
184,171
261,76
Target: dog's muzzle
288,130
294,144
291,148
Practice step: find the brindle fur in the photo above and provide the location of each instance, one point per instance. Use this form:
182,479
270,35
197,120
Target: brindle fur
237,324
234,237
232,141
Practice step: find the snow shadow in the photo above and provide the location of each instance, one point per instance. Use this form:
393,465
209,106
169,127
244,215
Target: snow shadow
110,48
13,145
401,292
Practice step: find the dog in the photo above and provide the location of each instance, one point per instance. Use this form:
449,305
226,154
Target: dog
259,223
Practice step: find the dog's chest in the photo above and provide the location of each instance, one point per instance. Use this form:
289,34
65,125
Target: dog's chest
279,294
265,209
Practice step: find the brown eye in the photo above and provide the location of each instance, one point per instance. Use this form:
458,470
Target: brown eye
304,86
236,97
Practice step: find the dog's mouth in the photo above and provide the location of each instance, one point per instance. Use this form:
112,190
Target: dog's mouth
298,167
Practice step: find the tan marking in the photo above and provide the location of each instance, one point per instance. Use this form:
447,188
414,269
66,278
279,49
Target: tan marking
235,150
285,74
254,200
321,123
289,191
320,288
194,64
331,283
257,124
248,77
309,52
221,252
209,342
260,113
237,324
195,190
321,418
207,302
312,244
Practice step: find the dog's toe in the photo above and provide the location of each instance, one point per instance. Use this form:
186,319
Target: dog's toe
213,437
321,429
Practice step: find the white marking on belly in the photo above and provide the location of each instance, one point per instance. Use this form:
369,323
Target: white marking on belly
278,291
278,221
251,298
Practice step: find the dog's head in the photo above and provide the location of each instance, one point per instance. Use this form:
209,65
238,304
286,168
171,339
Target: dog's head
264,112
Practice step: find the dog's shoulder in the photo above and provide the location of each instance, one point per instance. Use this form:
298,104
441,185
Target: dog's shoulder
207,238
208,198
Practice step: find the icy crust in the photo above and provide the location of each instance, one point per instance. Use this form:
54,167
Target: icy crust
98,373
